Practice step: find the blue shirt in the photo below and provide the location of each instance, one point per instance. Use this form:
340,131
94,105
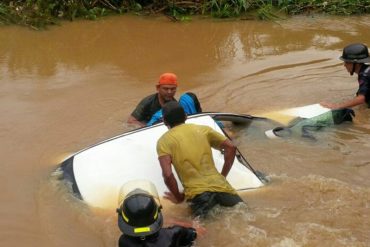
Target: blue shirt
186,101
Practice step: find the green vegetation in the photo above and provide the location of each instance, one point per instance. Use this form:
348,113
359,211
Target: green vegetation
40,13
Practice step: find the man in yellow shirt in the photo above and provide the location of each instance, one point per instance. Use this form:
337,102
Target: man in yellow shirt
188,148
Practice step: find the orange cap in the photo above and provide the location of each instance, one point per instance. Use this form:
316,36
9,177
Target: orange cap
168,79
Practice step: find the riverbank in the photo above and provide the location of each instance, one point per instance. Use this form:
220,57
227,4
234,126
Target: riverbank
38,14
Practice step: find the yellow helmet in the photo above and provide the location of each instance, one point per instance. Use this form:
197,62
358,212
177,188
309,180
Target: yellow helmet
139,212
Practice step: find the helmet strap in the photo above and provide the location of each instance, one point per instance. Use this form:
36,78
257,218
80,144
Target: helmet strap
353,69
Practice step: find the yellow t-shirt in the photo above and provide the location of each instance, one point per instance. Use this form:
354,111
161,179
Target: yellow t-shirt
189,146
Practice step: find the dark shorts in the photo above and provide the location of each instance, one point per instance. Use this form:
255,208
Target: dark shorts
201,204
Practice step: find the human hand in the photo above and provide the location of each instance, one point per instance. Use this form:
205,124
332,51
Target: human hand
328,105
171,197
201,231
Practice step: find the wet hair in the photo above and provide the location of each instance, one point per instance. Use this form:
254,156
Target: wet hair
173,114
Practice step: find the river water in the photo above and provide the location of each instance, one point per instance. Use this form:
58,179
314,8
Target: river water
74,85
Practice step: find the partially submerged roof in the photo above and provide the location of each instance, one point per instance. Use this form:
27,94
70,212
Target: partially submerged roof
97,172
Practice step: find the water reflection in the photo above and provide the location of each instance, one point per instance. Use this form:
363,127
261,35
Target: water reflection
129,44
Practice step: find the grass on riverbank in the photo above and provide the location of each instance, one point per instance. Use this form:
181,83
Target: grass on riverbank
40,13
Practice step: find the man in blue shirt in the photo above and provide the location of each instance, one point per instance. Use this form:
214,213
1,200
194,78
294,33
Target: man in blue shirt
188,101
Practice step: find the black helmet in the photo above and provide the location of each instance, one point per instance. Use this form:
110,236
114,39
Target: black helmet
355,53
139,215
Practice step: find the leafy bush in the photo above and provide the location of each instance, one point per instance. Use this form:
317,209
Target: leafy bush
40,13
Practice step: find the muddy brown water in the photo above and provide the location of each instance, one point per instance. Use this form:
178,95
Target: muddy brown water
74,85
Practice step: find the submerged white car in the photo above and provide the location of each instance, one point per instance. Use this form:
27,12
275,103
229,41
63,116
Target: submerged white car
97,173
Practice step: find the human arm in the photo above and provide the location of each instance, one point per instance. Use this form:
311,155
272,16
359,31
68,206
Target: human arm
180,236
133,120
169,179
201,231
220,142
156,118
142,112
358,100
229,156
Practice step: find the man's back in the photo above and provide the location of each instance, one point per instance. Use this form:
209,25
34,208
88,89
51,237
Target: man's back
189,145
